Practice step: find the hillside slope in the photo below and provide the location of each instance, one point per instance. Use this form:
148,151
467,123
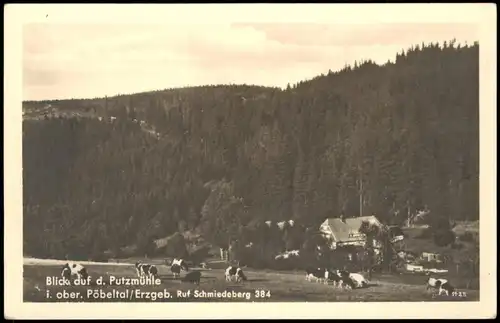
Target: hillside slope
409,130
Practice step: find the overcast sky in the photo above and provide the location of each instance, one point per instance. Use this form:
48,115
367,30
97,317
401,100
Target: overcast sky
94,60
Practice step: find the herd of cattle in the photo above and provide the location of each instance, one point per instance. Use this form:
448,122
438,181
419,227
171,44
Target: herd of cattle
338,278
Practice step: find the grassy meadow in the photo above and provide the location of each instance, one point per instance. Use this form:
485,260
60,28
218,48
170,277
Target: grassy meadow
271,286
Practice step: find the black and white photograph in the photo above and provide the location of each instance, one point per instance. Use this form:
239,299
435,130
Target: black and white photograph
247,158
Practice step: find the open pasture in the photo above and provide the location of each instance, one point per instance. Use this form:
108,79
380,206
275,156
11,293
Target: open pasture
270,286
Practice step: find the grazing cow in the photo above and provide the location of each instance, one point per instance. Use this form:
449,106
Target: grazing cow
268,223
332,276
192,277
447,288
442,284
182,263
148,270
315,273
345,279
359,280
176,270
71,269
233,272
113,118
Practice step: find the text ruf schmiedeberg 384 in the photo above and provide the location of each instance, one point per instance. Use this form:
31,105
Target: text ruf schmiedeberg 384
138,294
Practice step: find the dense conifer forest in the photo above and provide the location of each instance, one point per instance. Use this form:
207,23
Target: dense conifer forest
221,159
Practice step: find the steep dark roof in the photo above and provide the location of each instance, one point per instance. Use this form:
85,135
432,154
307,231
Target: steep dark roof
347,231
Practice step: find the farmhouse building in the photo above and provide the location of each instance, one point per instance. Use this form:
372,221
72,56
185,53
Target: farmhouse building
345,231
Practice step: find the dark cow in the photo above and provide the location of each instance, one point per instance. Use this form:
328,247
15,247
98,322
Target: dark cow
66,273
332,276
192,277
176,270
345,279
153,271
146,270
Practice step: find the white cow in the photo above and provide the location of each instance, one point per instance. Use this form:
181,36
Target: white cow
359,280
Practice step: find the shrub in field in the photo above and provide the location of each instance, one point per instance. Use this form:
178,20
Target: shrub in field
467,237
425,234
99,257
444,239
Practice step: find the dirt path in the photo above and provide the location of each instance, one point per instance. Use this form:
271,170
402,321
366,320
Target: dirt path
52,262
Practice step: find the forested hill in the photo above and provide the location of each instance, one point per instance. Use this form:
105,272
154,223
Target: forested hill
219,158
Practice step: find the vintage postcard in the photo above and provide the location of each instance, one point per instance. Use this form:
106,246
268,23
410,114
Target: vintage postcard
250,161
